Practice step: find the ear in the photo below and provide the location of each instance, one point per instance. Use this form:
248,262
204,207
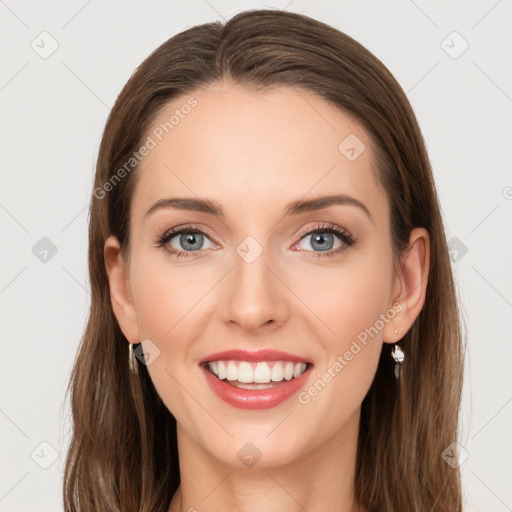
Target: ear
120,294
411,286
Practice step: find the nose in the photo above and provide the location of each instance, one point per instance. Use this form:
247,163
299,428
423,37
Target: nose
254,298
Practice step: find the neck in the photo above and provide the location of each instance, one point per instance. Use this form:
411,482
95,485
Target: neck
318,480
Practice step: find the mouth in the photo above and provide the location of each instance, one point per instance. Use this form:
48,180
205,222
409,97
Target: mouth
255,375
255,380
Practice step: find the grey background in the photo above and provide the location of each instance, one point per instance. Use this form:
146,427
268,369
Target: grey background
53,113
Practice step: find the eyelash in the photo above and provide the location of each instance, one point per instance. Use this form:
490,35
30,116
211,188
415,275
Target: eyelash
347,239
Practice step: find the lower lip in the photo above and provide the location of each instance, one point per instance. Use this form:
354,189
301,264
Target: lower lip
255,398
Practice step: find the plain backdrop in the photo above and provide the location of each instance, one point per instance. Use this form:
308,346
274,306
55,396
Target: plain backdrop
63,64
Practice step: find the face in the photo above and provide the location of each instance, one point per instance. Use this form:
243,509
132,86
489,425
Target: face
315,283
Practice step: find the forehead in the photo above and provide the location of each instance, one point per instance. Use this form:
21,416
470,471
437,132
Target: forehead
253,149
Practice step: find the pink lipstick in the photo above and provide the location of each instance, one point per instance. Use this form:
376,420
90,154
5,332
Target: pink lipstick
259,379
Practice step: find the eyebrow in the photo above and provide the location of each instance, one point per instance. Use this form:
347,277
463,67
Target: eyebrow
293,208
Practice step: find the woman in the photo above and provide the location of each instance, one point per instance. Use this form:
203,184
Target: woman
273,320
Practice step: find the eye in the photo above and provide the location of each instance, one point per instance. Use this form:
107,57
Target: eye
322,239
184,241
187,240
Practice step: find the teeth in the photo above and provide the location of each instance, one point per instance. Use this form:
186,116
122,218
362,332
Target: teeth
231,371
221,370
245,373
277,373
261,372
288,371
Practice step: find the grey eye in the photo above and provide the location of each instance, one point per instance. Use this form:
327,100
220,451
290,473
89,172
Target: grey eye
191,241
321,241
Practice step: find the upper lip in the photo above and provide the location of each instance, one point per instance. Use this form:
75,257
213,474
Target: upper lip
254,356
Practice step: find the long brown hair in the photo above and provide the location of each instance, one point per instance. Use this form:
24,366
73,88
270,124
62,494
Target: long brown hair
123,453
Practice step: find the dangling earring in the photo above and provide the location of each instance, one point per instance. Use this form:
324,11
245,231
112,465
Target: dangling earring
398,355
132,360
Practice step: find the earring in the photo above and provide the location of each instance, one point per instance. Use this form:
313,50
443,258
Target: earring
132,360
398,356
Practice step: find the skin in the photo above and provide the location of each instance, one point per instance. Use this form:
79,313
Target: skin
254,152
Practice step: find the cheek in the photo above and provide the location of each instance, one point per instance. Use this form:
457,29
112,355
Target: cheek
361,299
346,299
351,303
353,309
164,297
167,303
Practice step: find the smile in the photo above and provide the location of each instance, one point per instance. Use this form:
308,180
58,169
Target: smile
255,379
262,372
